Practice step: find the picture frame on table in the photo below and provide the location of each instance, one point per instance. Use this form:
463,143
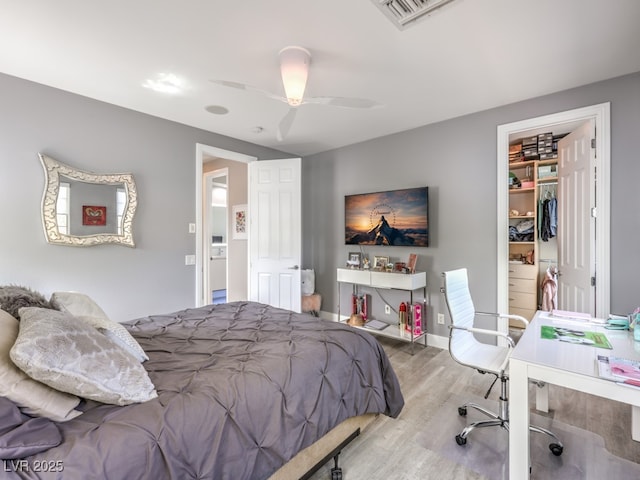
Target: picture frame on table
380,262
355,260
411,263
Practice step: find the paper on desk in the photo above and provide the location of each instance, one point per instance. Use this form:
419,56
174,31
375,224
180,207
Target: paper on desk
578,317
573,315
580,337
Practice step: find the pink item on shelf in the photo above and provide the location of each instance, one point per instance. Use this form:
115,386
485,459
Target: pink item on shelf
416,323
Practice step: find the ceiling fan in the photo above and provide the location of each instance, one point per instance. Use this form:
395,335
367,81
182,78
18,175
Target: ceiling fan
294,68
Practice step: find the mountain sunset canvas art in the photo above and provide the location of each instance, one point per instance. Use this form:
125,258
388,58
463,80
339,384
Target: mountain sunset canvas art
394,218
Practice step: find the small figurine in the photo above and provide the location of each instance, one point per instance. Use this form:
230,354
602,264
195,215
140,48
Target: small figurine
365,263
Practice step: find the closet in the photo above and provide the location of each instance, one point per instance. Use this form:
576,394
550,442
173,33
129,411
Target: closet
533,247
582,245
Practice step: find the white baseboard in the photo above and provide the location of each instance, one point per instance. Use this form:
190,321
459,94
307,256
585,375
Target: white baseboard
432,340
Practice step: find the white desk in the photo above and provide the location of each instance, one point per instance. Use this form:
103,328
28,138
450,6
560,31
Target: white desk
565,364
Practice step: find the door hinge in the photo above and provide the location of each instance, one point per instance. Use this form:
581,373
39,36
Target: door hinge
593,281
594,212
593,143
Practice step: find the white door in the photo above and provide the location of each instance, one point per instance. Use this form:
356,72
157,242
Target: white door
576,224
275,237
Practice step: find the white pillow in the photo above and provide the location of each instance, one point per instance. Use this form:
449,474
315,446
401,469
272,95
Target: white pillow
83,307
33,398
69,355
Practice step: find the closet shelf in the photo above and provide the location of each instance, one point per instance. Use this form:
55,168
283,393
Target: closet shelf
521,190
543,181
521,243
520,216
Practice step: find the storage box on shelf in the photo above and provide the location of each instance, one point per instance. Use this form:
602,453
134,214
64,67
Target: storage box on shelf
374,279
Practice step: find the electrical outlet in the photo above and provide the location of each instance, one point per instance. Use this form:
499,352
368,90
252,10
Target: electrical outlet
387,309
440,319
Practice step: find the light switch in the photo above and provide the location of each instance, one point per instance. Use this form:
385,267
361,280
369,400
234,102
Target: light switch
192,228
189,259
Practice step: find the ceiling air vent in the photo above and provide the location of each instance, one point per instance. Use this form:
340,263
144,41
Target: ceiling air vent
404,12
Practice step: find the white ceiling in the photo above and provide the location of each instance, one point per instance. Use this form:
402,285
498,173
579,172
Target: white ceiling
469,56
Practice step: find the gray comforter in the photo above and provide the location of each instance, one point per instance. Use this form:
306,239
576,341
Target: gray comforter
242,387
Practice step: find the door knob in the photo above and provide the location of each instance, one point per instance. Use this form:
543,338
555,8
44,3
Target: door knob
295,267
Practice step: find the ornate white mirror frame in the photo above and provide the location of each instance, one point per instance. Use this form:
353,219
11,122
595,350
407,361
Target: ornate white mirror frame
54,232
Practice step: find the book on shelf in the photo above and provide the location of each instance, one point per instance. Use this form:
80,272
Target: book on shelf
376,324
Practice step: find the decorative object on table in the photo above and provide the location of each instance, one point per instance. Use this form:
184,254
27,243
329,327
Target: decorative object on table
239,222
393,218
380,263
415,324
617,323
411,263
399,267
355,260
356,320
402,316
388,267
365,263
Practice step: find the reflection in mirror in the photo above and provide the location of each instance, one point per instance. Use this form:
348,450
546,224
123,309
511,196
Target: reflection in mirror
82,209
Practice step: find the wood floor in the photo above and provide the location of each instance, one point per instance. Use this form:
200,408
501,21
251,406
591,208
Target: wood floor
388,449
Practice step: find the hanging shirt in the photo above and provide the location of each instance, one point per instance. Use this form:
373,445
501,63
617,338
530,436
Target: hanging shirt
553,216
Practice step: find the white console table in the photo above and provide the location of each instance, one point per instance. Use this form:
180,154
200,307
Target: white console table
388,280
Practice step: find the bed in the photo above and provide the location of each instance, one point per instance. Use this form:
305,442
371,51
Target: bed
242,389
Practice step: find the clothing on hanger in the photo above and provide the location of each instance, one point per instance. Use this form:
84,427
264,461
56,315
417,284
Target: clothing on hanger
549,287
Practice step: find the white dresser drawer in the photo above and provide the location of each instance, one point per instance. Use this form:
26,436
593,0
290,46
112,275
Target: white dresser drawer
522,300
526,285
520,270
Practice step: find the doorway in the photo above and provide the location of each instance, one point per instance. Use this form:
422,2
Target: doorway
216,228
235,251
600,197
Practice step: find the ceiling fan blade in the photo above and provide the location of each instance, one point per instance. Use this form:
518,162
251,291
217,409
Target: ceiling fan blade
249,88
285,124
344,102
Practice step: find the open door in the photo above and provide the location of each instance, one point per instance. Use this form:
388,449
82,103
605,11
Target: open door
275,232
576,223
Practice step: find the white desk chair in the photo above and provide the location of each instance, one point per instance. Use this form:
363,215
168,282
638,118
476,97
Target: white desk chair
467,351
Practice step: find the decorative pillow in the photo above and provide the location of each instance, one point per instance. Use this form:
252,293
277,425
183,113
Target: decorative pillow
71,356
34,398
83,307
21,436
14,297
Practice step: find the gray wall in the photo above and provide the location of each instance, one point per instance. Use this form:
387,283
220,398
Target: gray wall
101,138
456,159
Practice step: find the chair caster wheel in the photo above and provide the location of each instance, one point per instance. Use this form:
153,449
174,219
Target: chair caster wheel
556,449
460,440
462,411
336,474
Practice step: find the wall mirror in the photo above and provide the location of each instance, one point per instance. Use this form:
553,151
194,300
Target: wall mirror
84,209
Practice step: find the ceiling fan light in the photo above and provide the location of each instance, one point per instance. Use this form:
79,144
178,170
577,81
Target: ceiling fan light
294,67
